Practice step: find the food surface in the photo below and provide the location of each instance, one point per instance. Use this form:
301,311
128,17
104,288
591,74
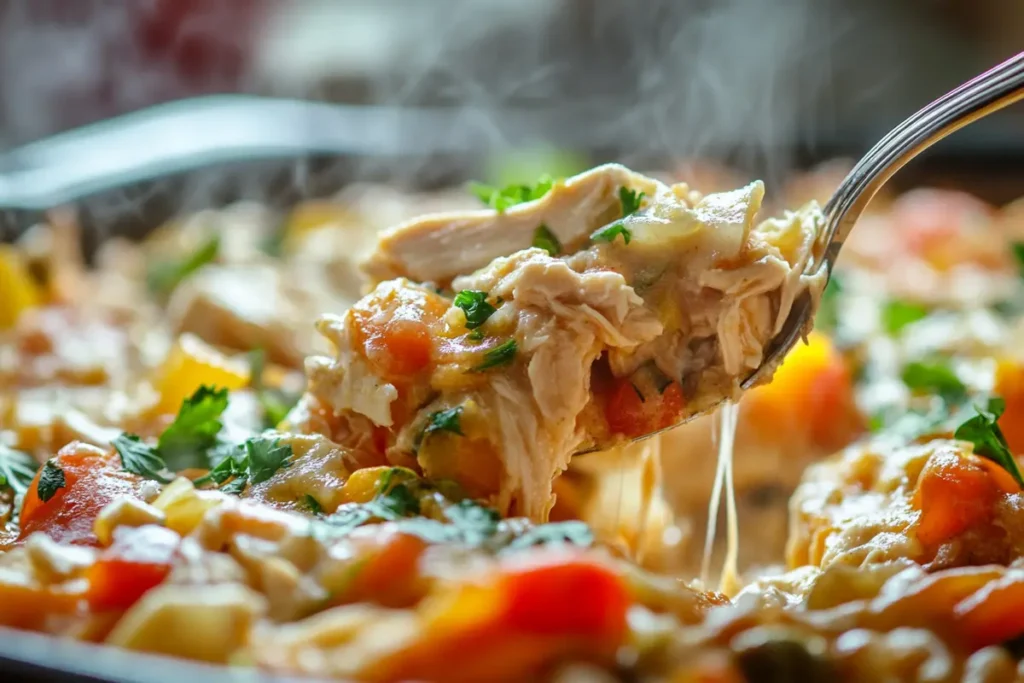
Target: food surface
346,443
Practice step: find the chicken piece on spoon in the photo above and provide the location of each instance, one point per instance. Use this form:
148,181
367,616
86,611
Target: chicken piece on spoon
640,306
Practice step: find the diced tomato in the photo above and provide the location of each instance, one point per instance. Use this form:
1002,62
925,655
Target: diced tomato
566,596
92,479
953,494
138,560
393,325
631,414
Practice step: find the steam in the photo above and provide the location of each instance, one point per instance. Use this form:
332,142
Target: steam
647,83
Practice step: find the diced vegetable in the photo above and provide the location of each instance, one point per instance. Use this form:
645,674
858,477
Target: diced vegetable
138,561
93,479
390,576
953,494
632,413
20,292
1009,383
994,614
394,330
191,364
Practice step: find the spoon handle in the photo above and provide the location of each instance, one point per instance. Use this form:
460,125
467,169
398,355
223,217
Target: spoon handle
998,87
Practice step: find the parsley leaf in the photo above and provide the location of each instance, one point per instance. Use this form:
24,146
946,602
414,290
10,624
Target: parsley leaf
934,377
187,441
609,233
898,314
140,458
511,195
544,239
630,200
50,481
503,354
164,276
311,504
1018,252
555,533
475,522
17,470
474,304
265,456
983,431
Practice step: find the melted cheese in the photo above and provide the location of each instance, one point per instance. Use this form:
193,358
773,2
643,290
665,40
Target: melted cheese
729,578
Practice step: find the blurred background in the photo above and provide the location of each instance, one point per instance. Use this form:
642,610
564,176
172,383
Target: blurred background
765,87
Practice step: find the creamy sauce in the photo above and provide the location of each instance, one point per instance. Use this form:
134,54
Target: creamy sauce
729,578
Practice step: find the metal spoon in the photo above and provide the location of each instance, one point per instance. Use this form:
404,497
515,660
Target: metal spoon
984,94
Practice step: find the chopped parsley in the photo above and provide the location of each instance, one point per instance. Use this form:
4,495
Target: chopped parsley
17,470
474,304
609,233
555,533
1018,253
275,403
442,421
630,200
187,441
254,462
140,458
898,314
164,276
311,505
511,195
544,239
983,431
935,377
51,480
828,309
502,354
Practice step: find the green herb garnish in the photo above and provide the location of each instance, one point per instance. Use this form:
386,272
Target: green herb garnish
544,239
898,314
555,533
164,276
1018,253
934,377
503,354
441,421
311,504
609,233
17,470
187,441
630,200
511,195
983,431
828,309
265,457
140,458
474,304
275,403
50,481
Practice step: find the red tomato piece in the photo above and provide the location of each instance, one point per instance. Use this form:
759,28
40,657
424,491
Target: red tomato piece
92,479
631,414
138,560
566,596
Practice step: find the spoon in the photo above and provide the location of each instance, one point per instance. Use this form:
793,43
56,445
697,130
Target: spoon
977,98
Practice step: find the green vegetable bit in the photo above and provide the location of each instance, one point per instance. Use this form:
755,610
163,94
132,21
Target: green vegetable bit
934,377
50,481
187,441
474,304
983,431
1018,253
311,505
896,315
503,354
442,421
544,239
17,470
140,458
609,233
164,276
276,404
265,457
511,195
630,200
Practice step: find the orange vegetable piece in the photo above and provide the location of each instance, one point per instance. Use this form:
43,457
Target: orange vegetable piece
93,478
138,560
390,576
393,326
1010,385
994,614
953,494
632,415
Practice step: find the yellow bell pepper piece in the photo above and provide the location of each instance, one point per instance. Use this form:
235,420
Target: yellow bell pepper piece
18,292
191,364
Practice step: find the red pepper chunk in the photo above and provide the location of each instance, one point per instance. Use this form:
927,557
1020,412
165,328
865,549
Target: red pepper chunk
93,478
138,560
567,596
631,414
